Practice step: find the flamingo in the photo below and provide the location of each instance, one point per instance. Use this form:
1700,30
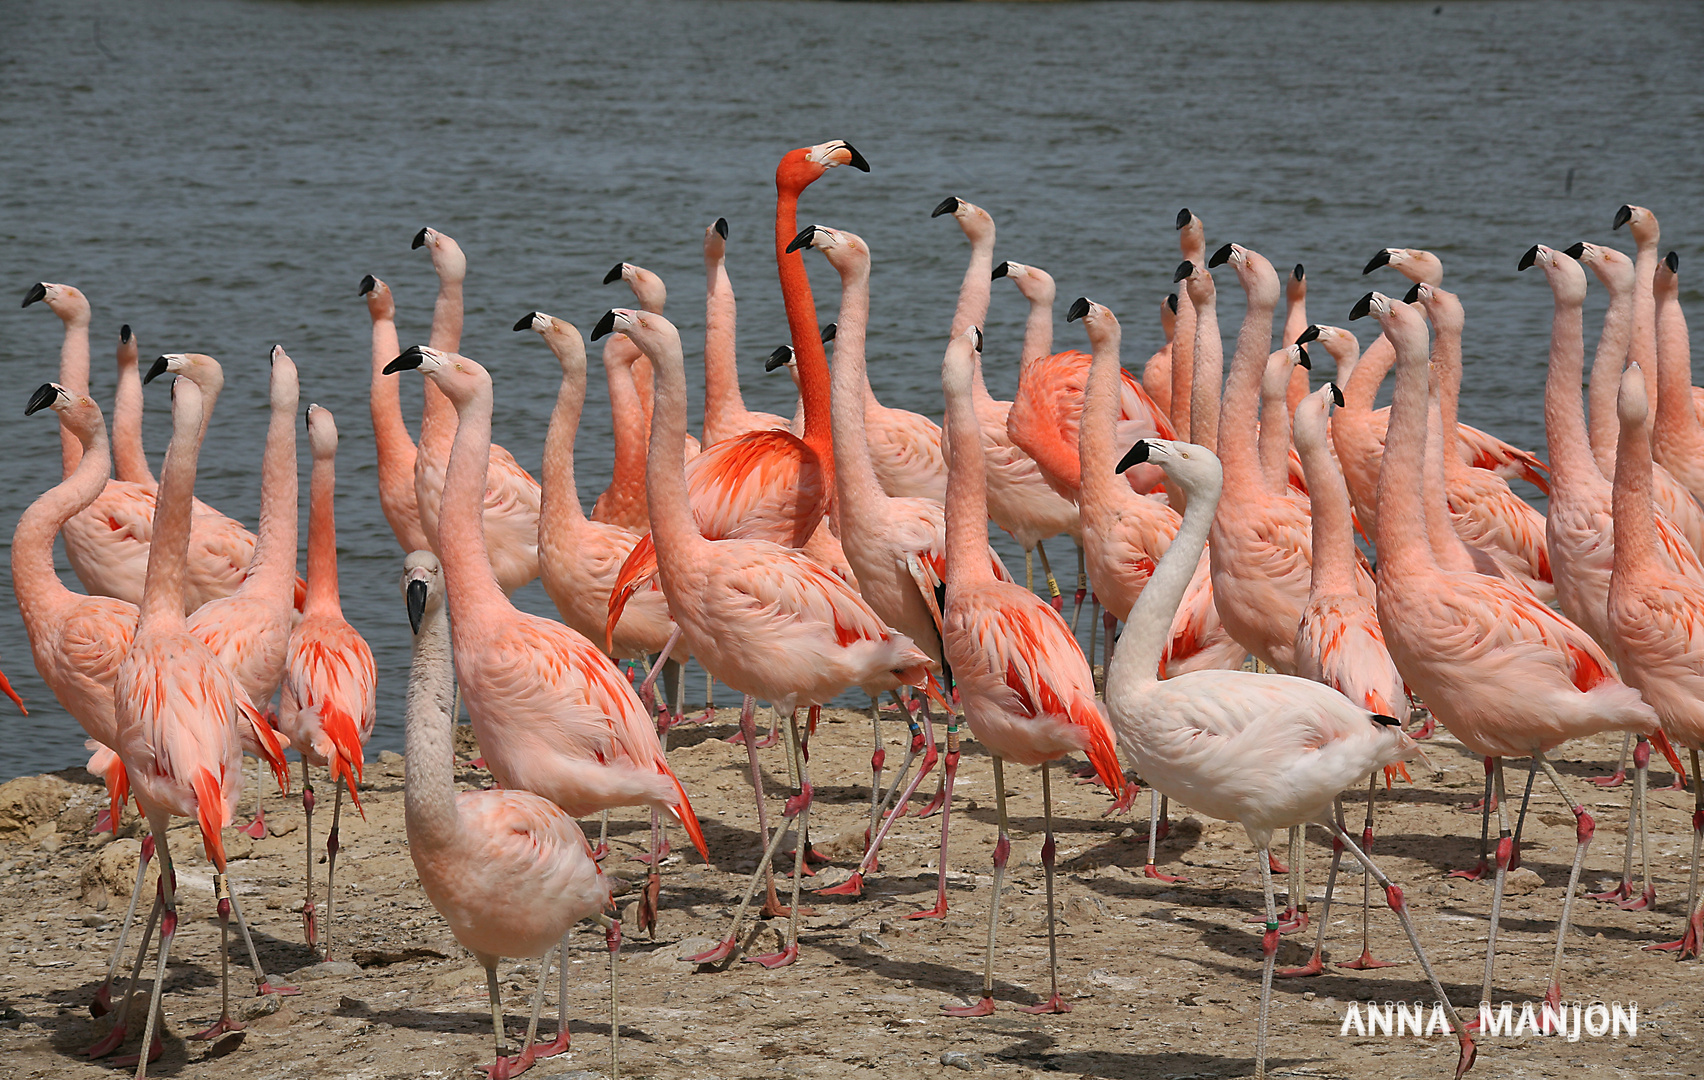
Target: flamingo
250,629
329,704
511,495
1026,689
1206,383
1647,236
725,414
897,546
508,870
128,460
1192,242
552,713
1505,674
764,619
1157,373
1265,751
396,450
1677,439
1654,622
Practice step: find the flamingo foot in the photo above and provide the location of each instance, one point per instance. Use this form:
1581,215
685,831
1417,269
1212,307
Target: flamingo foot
774,909
550,1049
1293,922
1054,1004
985,1007
281,989
1468,1053
256,829
1085,774
1615,895
933,806
1428,728
155,1052
852,886
939,911
104,824
1476,874
478,762
715,955
1151,871
1687,947
600,853
736,739
776,960
1642,902
310,924
1365,962
102,1004
1314,966
769,740
1679,784
1613,780
107,1043
1277,868
505,1067
219,1027
648,903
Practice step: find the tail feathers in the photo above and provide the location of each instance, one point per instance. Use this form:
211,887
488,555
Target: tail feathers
639,567
1661,742
1103,754
683,813
117,778
267,742
301,595
346,762
6,688
210,810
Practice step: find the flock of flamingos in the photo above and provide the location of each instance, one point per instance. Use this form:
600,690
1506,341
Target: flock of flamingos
796,558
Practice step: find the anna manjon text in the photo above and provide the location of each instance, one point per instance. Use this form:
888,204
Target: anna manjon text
1570,1020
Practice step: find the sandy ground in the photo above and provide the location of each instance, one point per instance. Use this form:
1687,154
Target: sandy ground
1163,979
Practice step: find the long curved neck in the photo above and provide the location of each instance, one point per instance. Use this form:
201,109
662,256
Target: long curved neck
272,569
1038,331
1448,548
128,458
1642,347
395,445
1136,662
429,793
855,482
1607,362
1446,363
673,529
73,376
1401,533
976,288
722,399
560,507
437,415
1635,527
967,496
1237,447
168,554
1183,368
323,596
34,579
1275,425
1209,374
468,576
1678,432
1333,526
815,390
628,419
1565,437
1095,446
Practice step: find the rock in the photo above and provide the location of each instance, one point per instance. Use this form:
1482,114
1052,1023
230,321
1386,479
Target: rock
110,873
330,969
264,1005
281,826
958,1059
873,941
389,757
29,802
1522,881
692,946
449,980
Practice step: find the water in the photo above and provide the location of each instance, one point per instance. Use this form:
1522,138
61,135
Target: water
220,176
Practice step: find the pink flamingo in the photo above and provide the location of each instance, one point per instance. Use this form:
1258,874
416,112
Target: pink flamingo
1279,463
552,713
512,496
1026,690
250,629
1295,321
1654,621
508,870
1156,373
128,460
329,703
1647,236
1265,751
1504,673
1677,439
725,414
396,450
1192,242
764,619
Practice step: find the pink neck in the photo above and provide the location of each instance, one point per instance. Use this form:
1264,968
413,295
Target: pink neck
1237,449
560,507
975,289
1448,548
723,405
628,418
468,577
34,579
1333,526
73,376
1446,362
1183,367
1678,432
814,385
1565,437
673,529
967,497
1275,428
395,445
1209,374
272,569
129,461
1098,483
168,554
860,493
1607,363
438,416
1635,527
323,596
1038,332
1402,538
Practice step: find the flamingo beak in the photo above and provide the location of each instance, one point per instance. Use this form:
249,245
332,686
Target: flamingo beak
779,358
160,367
410,360
419,239
416,601
46,394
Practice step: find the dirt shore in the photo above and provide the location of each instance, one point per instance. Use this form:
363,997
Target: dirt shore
1162,978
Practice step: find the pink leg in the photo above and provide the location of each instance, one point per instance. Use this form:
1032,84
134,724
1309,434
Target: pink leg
854,885
168,930
103,997
1365,961
1155,816
1485,803
1054,1003
114,1038
221,891
1619,776
310,924
1002,852
798,808
257,828
1584,826
1688,944
950,771
1641,781
1316,962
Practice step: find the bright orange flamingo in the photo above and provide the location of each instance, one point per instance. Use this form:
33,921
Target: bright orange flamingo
396,450
1027,691
329,703
764,619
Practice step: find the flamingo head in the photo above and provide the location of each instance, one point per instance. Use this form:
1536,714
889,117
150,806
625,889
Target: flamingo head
976,222
199,368
322,433
1440,306
1312,412
1168,315
648,289
846,252
1632,405
65,301
1191,236
1098,320
457,376
715,241
1275,379
1612,267
564,340
1259,280
79,413
1641,223
1338,343
422,586
1197,282
1035,283
1412,263
128,347
958,367
284,387
646,329
1296,285
800,167
380,303
784,357
1666,284
1567,277
1194,468
447,258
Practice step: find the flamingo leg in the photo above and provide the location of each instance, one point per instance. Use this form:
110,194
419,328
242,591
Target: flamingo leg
1094,625
725,948
602,850
1641,785
168,931
1029,570
1053,596
1619,776
853,886
612,939
1082,590
503,1067
748,732
798,809
647,689
1002,852
878,757
1054,1004
114,1038
1269,957
1583,829
261,985
1393,897
222,894
103,997
537,1007
1688,945
560,1043
1520,819
1316,962
1366,961
1505,848
1154,839
331,846
949,773
709,698
1110,622
653,879
310,925
1483,866
256,829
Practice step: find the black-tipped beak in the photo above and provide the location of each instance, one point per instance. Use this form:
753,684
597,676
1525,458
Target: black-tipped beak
410,359
778,358
44,396
1183,217
525,322
1362,307
416,603
1575,251
1622,217
605,326
614,274
806,235
38,291
1218,257
857,161
1136,455
368,284
1336,394
1381,259
829,331
721,227
1528,259
124,334
949,205
1300,273
1079,308
1412,295
1184,269
1000,271
1171,302
156,371
977,330
1673,261
1310,334
1302,358
419,240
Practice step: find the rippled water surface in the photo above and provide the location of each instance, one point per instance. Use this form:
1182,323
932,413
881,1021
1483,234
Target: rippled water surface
220,176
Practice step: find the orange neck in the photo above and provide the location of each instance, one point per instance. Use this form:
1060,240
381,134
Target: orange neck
802,325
